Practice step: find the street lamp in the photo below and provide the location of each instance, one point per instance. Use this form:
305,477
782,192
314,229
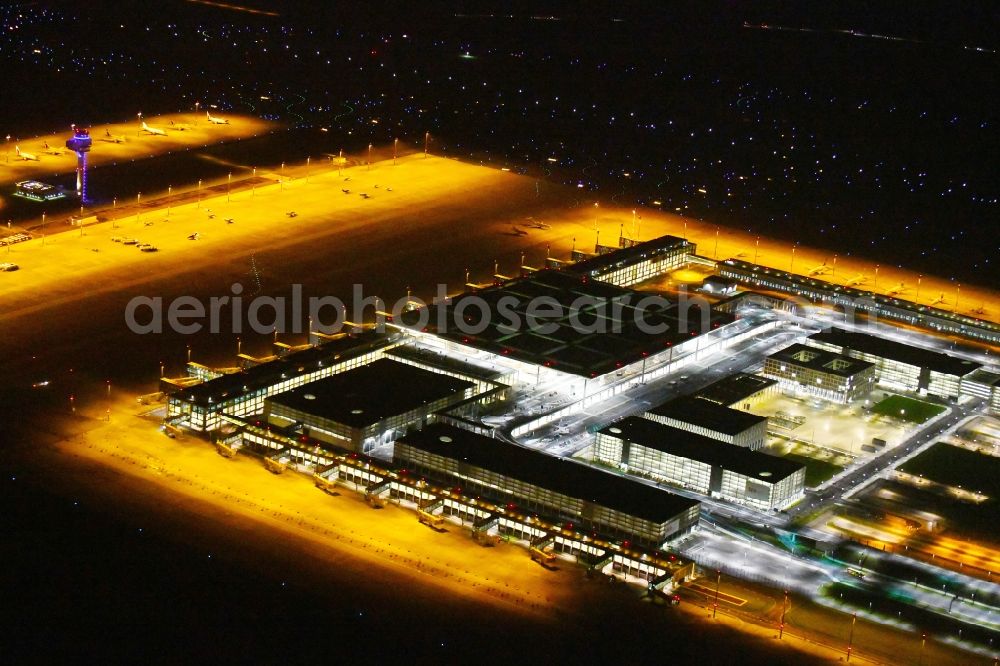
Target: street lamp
427,137
850,639
229,185
784,607
756,250
369,156
8,148
718,580
253,183
170,190
395,147
138,199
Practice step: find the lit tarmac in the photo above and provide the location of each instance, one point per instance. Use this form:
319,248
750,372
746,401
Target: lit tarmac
341,527
120,142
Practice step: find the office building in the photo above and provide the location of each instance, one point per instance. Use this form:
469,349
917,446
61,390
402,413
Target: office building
821,373
713,420
899,365
705,465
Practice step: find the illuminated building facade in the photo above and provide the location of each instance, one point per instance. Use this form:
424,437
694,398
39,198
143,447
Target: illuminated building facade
633,263
821,373
858,300
899,365
615,507
242,394
683,458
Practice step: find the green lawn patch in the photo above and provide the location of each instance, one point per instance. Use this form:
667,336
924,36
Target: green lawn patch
907,409
817,471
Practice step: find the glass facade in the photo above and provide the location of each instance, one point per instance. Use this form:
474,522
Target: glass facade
699,476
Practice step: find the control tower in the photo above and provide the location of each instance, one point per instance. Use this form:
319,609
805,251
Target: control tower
80,144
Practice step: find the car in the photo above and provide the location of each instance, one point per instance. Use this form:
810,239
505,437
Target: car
142,245
129,241
149,248
7,267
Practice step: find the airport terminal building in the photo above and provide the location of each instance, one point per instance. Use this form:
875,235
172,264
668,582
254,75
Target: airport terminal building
570,492
202,405
362,408
705,465
634,263
824,374
899,365
713,420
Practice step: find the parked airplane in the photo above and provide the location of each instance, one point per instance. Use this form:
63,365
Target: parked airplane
114,138
858,279
25,156
819,270
179,126
215,120
898,289
517,231
152,130
52,151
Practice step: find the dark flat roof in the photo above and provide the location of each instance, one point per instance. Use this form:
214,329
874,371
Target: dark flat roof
371,393
734,388
985,377
261,376
443,362
582,326
896,351
699,412
560,475
603,263
710,451
821,360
